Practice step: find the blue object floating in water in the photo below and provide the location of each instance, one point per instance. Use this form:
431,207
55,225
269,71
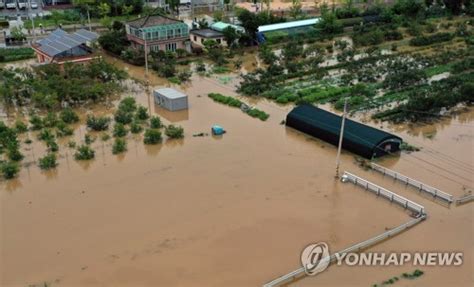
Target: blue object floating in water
217,130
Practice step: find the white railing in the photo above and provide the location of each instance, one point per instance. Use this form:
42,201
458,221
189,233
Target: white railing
380,191
465,199
354,248
415,183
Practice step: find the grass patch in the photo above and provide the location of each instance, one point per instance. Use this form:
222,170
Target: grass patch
16,54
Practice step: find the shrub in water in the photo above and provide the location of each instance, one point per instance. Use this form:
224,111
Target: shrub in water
119,130
52,145
36,123
45,135
135,127
50,120
20,127
123,117
155,122
68,116
128,105
9,169
13,153
62,129
98,123
142,113
84,152
88,139
105,137
174,132
48,161
119,146
152,136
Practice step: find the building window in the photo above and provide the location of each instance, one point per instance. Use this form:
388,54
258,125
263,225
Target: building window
195,39
171,47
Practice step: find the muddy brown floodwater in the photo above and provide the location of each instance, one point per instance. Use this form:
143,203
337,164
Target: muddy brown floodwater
227,211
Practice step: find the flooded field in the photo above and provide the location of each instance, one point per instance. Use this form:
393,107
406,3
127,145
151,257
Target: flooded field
227,211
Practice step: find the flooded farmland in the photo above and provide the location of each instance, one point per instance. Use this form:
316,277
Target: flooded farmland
234,210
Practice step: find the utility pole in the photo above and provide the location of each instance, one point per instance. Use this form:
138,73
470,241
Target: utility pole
89,18
146,56
32,20
341,135
147,82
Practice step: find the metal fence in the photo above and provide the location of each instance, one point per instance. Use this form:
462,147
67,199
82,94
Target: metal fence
380,191
415,183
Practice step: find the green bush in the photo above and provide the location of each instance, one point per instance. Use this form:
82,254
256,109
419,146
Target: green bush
45,135
135,127
50,120
123,117
431,39
13,153
105,137
174,132
128,105
84,152
68,116
98,123
62,129
230,101
152,137
48,161
142,113
155,122
20,127
256,113
373,37
9,169
119,130
119,146
36,122
52,145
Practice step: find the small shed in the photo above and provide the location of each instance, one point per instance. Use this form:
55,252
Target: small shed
170,99
358,138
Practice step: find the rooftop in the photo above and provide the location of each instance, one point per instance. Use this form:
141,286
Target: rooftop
170,93
220,26
60,41
288,25
358,138
207,33
152,20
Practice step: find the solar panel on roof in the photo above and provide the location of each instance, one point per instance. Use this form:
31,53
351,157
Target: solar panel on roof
59,41
89,36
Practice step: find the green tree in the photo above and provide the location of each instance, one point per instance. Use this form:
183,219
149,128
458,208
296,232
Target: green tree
295,9
231,36
329,25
